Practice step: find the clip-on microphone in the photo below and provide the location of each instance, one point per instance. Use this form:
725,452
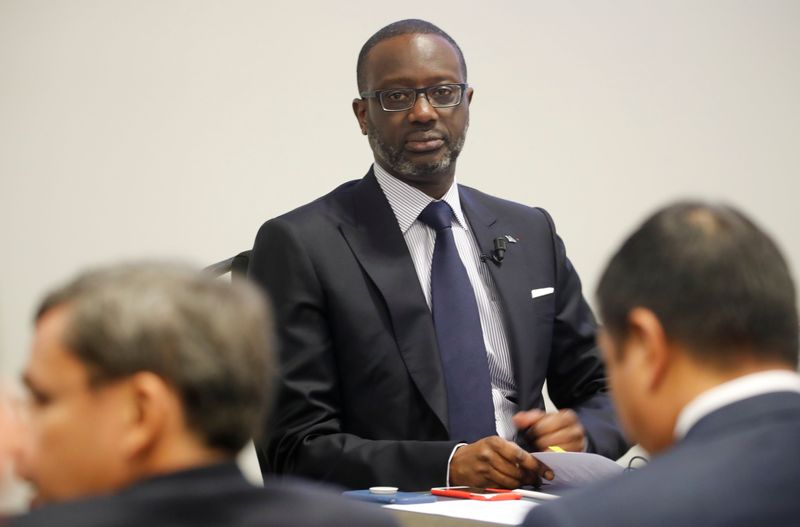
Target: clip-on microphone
499,251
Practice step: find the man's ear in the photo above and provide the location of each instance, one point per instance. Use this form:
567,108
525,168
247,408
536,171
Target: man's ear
360,111
646,339
470,91
151,404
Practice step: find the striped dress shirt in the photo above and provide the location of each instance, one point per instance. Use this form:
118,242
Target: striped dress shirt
407,203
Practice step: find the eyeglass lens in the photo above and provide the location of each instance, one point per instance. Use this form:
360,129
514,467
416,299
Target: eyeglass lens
438,96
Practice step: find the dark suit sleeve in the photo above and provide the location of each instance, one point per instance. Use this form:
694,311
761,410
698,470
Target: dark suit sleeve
576,375
548,515
307,434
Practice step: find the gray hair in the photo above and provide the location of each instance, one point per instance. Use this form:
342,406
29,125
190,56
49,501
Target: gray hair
211,340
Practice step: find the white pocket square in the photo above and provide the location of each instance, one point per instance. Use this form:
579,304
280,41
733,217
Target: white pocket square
536,293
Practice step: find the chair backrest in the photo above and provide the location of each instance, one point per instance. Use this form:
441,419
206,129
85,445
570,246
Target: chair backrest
236,265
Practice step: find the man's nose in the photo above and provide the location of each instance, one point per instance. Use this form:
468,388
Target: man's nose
422,111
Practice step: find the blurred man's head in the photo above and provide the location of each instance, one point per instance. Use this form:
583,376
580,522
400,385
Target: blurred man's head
698,295
138,370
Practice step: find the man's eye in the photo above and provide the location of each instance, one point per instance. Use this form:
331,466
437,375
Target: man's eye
396,96
442,91
39,399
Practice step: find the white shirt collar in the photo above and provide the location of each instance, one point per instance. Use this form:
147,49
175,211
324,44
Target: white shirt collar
407,202
734,391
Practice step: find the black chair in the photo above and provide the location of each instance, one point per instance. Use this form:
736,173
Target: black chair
236,265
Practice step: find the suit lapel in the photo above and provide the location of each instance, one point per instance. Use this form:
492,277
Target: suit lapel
377,243
511,278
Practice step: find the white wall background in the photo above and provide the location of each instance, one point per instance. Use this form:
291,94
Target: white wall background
173,128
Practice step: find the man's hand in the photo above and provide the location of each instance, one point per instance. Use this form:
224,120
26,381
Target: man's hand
560,428
495,462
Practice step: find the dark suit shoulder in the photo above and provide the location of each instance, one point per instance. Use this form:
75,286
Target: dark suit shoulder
301,236
745,474
321,505
534,221
327,209
277,504
501,204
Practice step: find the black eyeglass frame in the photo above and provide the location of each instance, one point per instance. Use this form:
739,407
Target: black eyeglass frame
376,94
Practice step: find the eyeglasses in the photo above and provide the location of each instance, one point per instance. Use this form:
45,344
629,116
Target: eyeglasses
401,99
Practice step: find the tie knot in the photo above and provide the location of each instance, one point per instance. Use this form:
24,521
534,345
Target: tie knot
437,215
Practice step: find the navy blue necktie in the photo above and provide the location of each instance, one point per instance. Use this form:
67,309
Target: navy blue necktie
458,334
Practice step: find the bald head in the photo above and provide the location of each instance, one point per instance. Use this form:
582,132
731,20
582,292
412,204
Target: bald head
714,279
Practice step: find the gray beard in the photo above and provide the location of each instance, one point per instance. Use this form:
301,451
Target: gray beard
402,166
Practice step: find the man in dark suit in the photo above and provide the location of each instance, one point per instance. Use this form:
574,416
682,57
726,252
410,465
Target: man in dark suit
145,382
701,343
407,346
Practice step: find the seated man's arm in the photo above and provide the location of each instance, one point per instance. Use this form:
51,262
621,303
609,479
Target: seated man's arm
576,375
